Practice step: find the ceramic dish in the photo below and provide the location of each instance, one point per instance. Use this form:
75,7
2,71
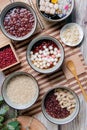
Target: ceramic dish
50,6
39,54
19,13
16,89
52,110
71,34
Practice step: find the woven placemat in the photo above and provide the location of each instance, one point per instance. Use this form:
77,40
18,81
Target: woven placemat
62,77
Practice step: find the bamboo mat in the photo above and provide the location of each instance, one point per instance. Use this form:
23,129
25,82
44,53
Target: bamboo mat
46,82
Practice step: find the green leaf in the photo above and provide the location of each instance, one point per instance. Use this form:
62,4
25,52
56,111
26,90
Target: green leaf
10,127
1,119
14,123
1,125
4,110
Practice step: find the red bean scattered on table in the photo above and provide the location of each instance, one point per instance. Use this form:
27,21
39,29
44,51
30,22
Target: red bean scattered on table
19,21
7,57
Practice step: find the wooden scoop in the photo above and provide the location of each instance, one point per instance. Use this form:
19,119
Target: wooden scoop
70,65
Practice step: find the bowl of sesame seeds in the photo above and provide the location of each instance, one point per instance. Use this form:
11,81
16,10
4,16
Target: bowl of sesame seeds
45,54
55,10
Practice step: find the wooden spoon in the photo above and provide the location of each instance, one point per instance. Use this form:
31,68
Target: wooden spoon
70,65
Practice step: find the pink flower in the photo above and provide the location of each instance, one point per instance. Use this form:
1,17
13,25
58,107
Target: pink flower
66,7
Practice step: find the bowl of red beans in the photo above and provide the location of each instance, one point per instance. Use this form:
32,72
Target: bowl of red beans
60,105
18,21
45,54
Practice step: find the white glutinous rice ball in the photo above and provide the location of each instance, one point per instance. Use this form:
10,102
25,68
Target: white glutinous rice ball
55,6
40,52
48,64
44,47
42,8
52,11
54,63
47,10
46,4
42,2
50,47
51,52
51,5
55,49
58,55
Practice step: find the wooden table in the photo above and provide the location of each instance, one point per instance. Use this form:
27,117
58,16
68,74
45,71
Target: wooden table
80,123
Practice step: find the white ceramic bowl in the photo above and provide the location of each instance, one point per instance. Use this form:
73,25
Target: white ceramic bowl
80,33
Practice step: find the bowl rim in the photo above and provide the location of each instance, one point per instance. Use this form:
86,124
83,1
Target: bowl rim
46,114
12,76
47,71
4,12
58,20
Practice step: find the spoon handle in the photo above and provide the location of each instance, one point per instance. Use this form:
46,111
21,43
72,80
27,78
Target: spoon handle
84,93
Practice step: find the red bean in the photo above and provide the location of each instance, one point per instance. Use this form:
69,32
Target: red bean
19,18
53,107
6,57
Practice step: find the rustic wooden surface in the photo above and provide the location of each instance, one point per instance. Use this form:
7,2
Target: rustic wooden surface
80,123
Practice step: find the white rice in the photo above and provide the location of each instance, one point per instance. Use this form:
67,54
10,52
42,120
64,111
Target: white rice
21,90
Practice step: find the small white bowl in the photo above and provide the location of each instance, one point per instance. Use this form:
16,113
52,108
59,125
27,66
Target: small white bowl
80,33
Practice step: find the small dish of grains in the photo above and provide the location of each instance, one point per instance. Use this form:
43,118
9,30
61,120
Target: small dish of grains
20,90
45,54
18,21
71,34
55,10
60,105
